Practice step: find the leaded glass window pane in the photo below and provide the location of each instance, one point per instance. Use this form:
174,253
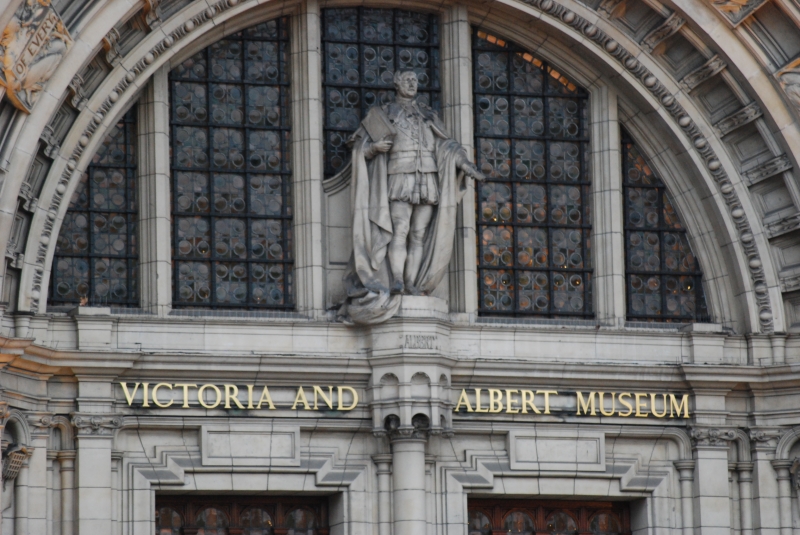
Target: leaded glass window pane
363,47
663,277
96,253
231,174
534,219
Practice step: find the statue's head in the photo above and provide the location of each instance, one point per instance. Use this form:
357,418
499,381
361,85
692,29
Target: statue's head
405,83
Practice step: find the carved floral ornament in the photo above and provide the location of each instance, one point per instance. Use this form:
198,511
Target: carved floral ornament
92,424
713,437
31,47
551,8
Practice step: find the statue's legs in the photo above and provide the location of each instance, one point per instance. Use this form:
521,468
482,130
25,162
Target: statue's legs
401,219
420,219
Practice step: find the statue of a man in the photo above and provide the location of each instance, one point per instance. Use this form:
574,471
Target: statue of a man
405,188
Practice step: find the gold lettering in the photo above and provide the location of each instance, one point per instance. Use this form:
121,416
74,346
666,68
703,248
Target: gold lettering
301,398
249,396
653,406
265,397
155,395
145,402
327,399
495,400
128,395
527,401
510,402
478,401
232,393
186,387
625,404
640,405
673,404
602,404
585,403
463,399
203,401
352,406
547,398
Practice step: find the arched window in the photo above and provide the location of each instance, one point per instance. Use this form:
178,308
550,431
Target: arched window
363,47
534,221
232,210
664,280
96,253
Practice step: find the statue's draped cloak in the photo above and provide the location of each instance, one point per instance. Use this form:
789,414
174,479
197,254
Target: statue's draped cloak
368,274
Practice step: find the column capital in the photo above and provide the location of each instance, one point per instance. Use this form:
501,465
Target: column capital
418,431
87,425
711,437
384,463
685,469
39,423
782,467
765,438
745,469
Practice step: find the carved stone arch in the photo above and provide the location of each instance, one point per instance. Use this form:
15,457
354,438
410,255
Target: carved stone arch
64,426
570,20
17,426
786,442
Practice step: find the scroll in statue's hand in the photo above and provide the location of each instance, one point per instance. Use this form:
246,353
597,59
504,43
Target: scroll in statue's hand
471,170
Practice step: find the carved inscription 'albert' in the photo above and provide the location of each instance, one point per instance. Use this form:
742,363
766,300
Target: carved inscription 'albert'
420,341
31,47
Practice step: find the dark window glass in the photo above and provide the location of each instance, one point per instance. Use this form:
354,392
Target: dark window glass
548,517
96,254
231,175
363,47
534,220
663,277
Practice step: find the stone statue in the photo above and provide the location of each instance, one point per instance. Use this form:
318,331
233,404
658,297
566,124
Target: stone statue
407,176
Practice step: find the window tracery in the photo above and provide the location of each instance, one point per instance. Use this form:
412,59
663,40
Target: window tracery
663,277
534,220
96,257
232,208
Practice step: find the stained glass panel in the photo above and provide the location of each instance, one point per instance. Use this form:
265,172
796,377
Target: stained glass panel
664,280
231,172
363,49
534,221
96,254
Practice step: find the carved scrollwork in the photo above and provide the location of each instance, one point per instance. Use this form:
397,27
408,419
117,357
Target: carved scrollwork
765,439
96,424
711,436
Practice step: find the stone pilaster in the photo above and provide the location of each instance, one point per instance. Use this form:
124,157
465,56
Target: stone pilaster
94,434
383,464
765,502
686,476
711,500
745,475
408,480
40,425
66,462
784,477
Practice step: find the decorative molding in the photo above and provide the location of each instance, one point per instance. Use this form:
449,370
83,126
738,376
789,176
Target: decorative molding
789,79
670,26
39,423
711,437
51,144
789,283
746,115
607,7
95,424
152,13
710,68
783,225
768,169
77,98
736,11
32,46
419,429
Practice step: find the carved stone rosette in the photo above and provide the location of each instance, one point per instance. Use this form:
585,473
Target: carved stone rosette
31,48
96,424
711,437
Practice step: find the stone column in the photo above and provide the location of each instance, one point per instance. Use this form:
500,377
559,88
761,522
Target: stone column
408,478
94,434
782,467
116,480
733,492
155,256
711,500
21,500
456,69
66,461
686,476
745,470
40,424
51,457
608,247
384,472
307,141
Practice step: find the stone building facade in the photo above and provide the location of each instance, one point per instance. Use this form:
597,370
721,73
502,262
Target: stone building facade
613,348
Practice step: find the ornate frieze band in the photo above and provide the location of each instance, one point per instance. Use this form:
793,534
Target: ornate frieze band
549,7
